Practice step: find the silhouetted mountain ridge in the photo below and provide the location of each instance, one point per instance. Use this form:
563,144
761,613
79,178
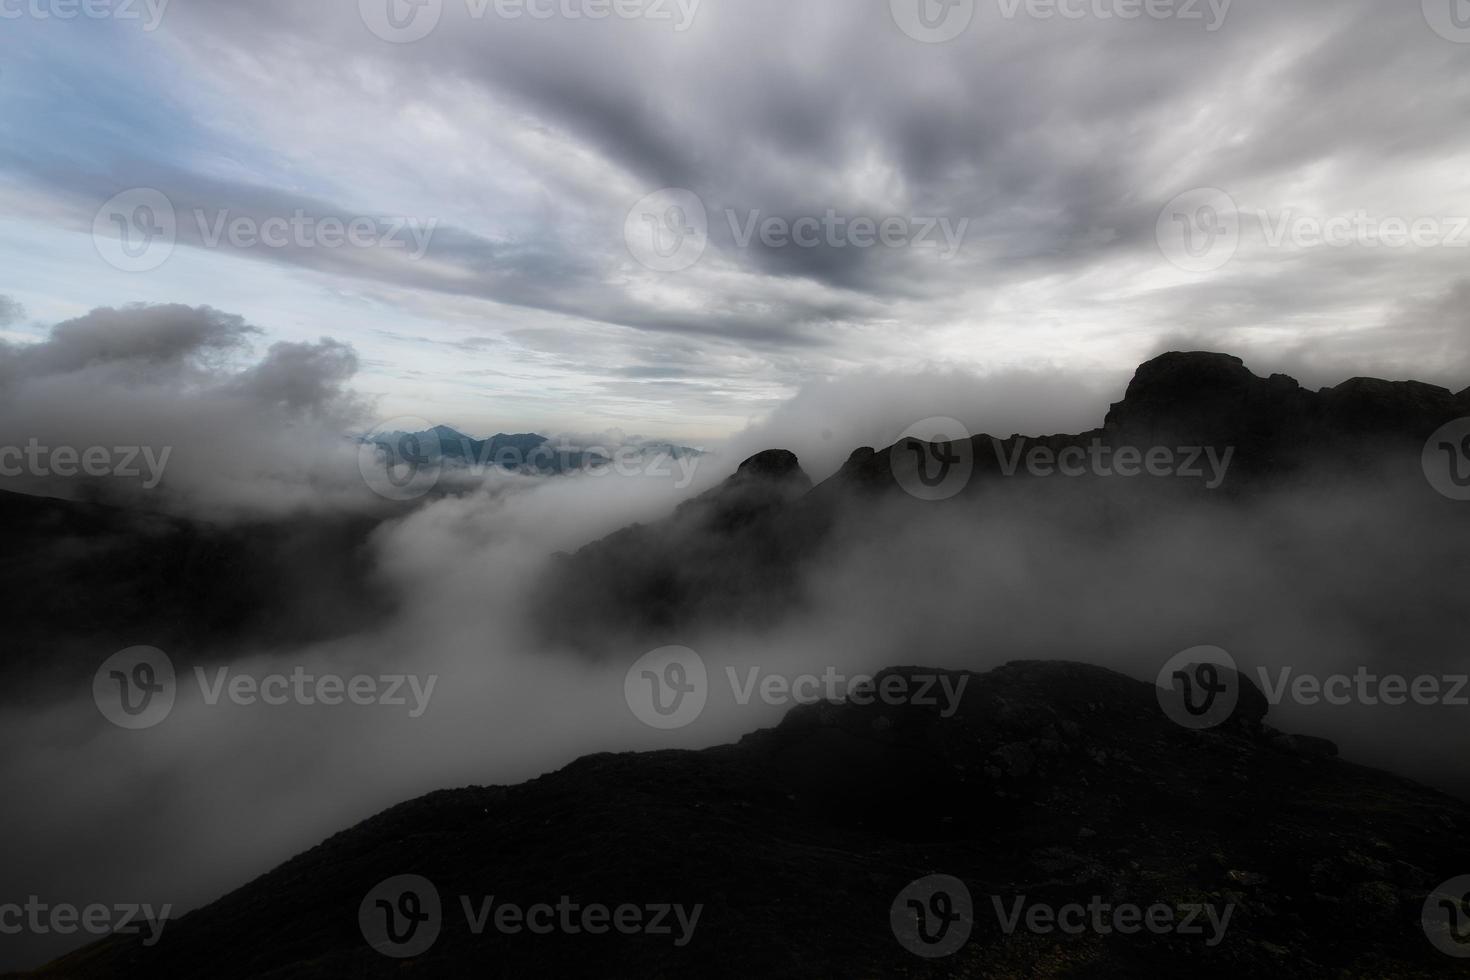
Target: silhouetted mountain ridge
698,568
1050,782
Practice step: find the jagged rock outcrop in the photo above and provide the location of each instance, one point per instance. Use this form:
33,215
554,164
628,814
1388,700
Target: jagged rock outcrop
1274,424
704,562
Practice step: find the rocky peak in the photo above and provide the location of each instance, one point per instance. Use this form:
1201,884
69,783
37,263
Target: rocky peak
1215,399
1206,398
773,464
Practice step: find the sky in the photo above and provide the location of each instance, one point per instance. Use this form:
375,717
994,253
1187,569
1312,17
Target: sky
679,216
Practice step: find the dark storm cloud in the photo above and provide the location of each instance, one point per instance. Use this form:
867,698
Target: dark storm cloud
1059,141
301,376
159,338
423,252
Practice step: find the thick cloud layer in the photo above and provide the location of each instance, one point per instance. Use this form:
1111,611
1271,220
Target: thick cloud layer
189,419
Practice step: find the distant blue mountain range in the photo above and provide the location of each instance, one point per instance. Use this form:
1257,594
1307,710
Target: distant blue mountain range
523,452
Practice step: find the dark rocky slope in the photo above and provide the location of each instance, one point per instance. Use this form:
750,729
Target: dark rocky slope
80,581
1057,782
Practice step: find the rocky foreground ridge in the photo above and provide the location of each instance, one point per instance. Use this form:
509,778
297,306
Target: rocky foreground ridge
1052,784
